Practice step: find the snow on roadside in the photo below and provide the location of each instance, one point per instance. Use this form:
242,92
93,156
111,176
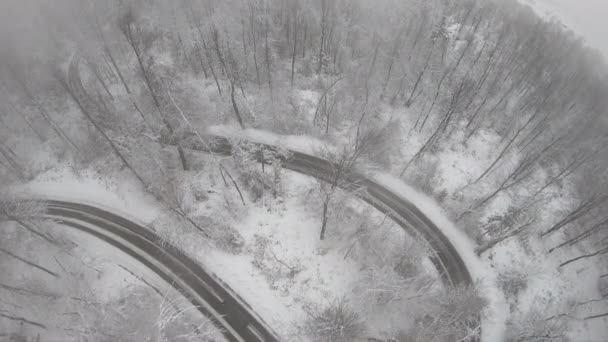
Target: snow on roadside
118,194
112,280
122,196
464,163
299,143
284,271
321,280
495,318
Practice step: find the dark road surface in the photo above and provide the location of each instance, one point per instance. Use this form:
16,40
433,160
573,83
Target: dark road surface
446,259
206,291
212,297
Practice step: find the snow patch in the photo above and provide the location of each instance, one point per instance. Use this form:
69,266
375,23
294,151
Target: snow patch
494,320
120,195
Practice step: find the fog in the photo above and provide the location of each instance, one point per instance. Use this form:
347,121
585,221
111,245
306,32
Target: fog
586,17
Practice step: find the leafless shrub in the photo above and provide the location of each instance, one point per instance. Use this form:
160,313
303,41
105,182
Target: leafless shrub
247,157
381,286
514,222
536,326
513,282
406,267
171,323
378,143
423,176
173,230
15,208
272,266
336,323
453,313
227,238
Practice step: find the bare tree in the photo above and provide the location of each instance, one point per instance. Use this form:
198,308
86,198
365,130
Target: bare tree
599,226
339,175
27,214
535,326
585,206
453,313
500,228
600,251
296,19
336,323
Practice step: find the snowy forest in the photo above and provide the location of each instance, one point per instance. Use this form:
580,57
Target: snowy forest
489,119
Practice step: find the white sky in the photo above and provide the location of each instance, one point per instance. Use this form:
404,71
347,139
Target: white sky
588,18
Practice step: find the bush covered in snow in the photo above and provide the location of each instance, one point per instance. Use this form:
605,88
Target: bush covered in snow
338,322
513,282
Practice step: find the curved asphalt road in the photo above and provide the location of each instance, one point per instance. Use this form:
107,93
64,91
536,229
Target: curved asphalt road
446,259
213,298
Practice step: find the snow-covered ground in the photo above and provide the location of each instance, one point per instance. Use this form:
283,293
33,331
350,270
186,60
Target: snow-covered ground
117,272
548,286
94,282
298,272
456,168
119,193
496,316
267,247
283,270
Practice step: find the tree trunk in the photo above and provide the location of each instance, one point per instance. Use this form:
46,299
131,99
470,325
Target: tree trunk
582,209
236,186
32,230
88,116
486,247
215,38
420,76
211,68
570,168
324,223
445,74
395,52
267,57
253,36
513,179
295,41
182,158
418,34
596,316
304,40
29,124
201,60
13,164
580,236
30,263
46,116
599,252
5,314
513,139
129,36
237,113
108,52
322,42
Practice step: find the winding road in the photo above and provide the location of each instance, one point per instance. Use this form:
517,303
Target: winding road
446,259
214,298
